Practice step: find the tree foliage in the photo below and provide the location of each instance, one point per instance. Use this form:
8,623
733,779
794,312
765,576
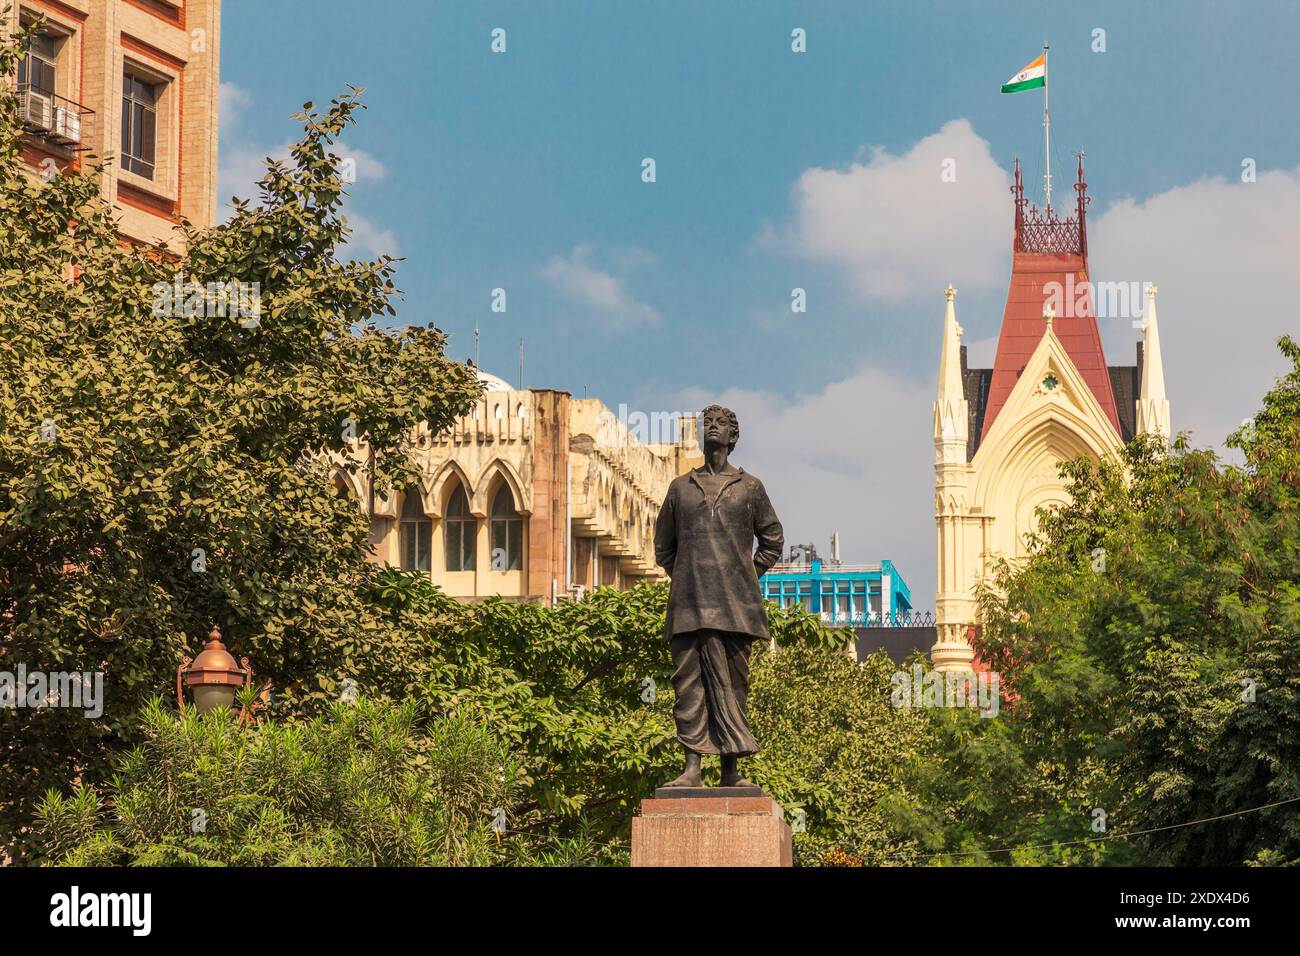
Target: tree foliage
581,692
835,748
136,441
359,787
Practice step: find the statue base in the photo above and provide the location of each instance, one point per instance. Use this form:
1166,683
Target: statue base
711,826
678,793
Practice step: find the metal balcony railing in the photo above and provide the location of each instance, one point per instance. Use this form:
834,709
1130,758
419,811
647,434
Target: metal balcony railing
56,118
896,619
828,568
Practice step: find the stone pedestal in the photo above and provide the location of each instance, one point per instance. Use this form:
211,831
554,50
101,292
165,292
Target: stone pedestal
711,826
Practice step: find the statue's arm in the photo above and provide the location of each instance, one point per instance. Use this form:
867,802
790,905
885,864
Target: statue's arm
768,531
666,534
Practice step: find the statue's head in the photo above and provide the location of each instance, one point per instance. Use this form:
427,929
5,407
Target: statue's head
718,424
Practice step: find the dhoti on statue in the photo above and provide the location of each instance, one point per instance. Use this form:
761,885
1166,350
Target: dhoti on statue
711,681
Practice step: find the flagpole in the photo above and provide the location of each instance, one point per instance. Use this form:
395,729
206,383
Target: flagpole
1047,133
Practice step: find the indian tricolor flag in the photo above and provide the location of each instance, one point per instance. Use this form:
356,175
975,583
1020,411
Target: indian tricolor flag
1030,78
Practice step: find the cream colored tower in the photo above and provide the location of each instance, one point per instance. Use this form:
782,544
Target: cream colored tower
954,604
1152,406
1001,434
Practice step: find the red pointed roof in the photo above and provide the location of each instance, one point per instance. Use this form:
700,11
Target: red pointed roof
1049,250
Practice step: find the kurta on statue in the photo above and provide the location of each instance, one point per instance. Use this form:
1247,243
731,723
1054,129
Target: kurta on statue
705,541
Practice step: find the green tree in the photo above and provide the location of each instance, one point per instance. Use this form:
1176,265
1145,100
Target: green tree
359,787
581,693
1149,644
165,469
836,748
558,701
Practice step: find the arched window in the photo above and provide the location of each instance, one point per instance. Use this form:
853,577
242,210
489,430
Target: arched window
507,532
458,527
416,534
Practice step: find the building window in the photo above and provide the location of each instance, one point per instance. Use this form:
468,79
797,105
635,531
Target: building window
37,71
139,124
458,526
507,532
416,534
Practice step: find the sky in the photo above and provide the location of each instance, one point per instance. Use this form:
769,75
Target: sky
777,170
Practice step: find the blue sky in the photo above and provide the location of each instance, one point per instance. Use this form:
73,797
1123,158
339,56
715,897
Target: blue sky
778,170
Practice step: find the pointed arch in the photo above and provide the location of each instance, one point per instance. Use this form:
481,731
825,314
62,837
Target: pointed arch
1079,415
1050,430
1027,478
342,480
480,501
437,487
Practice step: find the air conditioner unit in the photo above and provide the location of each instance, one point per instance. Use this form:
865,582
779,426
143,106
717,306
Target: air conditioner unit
67,124
38,109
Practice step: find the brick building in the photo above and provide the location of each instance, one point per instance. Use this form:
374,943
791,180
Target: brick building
134,82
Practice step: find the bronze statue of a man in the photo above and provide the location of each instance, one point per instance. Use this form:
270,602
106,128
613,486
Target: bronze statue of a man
704,540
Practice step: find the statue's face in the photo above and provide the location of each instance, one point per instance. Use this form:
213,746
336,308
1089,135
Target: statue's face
716,428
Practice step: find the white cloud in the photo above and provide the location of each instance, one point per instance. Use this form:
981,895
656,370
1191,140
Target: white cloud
233,101
240,164
243,164
1224,256
368,240
239,167
631,257
598,289
895,229
368,167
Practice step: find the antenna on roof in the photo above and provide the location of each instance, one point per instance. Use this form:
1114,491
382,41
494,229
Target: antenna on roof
521,363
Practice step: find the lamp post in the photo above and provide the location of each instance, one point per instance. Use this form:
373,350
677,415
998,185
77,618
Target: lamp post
213,677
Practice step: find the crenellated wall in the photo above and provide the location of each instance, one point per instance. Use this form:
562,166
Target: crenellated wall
587,490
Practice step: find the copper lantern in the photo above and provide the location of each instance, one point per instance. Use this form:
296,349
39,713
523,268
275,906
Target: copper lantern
214,677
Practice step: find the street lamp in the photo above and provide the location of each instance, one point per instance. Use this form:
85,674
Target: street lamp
213,677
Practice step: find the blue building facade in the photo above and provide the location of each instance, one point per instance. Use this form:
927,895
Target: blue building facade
851,595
